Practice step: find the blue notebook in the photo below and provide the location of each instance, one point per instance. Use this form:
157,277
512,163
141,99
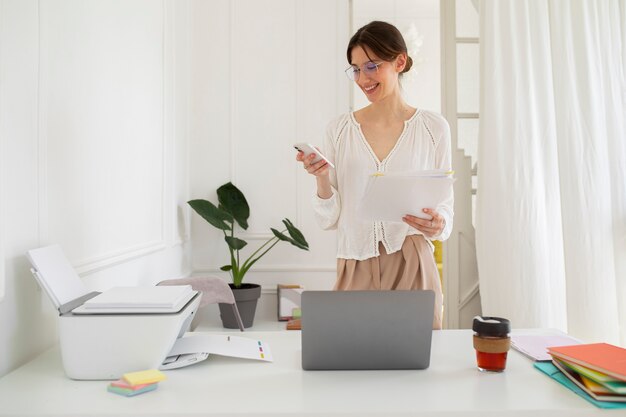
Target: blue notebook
552,371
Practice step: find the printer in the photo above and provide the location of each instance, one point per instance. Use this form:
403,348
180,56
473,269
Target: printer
101,344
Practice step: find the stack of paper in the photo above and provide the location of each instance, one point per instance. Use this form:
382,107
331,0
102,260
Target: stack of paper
124,300
536,346
135,383
599,369
389,196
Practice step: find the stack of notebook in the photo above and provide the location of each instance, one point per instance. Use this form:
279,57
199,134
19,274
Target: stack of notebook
135,383
599,369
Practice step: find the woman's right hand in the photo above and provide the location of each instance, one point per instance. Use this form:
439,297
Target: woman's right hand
318,169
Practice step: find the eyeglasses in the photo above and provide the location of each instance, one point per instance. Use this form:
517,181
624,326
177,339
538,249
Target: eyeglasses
368,68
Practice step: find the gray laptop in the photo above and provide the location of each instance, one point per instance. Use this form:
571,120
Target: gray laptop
367,329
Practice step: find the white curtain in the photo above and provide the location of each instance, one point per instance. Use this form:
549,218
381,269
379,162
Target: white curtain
551,202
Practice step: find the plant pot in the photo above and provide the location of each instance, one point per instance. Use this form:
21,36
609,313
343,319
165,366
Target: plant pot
246,298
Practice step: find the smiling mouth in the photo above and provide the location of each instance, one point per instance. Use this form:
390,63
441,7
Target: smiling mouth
371,88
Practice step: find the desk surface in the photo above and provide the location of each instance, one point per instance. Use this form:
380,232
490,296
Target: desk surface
450,387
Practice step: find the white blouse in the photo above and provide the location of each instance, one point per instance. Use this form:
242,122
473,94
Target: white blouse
424,144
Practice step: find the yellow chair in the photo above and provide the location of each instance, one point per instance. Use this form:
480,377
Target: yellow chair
439,259
439,262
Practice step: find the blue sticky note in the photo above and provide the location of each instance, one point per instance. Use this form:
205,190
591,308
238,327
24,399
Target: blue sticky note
130,392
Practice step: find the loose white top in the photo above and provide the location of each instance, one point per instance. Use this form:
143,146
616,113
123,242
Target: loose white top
424,144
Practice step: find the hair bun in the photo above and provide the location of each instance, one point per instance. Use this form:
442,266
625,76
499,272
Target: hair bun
409,64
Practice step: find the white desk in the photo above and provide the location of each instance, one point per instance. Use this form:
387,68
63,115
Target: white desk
450,387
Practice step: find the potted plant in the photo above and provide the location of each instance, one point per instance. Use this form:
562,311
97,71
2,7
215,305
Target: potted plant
233,208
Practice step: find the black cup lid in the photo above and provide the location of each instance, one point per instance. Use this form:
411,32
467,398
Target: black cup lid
491,326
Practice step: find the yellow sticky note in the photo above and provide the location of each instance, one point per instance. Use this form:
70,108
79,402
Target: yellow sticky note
144,377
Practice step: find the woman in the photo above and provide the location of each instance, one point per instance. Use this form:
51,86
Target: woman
387,135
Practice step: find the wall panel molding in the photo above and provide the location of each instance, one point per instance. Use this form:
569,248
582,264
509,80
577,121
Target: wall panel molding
2,153
154,233
255,236
276,87
98,263
167,108
2,199
42,138
467,297
232,84
264,97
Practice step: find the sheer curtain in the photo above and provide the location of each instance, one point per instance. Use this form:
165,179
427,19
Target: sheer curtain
551,203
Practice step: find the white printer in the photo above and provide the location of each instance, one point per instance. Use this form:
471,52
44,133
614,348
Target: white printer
104,340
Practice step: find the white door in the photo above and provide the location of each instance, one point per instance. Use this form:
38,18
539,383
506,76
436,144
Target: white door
460,97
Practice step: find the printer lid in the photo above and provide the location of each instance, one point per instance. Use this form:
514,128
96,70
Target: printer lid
56,275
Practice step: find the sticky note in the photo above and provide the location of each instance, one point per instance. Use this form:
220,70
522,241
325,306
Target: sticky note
120,383
143,377
131,392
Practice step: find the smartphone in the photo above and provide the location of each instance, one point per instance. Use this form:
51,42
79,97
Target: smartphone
308,149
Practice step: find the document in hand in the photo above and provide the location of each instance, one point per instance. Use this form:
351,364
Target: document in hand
390,196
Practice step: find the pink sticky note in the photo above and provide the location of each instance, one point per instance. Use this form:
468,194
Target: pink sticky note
121,383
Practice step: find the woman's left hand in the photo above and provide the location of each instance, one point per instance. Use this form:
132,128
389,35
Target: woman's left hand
430,228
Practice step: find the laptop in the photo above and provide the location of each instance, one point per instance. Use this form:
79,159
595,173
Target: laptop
366,329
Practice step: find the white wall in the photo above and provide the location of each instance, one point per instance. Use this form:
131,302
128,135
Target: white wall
94,140
266,74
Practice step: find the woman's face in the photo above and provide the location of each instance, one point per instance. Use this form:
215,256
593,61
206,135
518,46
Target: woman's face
379,84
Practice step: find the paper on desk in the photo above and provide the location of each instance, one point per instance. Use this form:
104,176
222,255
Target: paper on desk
234,346
391,196
536,346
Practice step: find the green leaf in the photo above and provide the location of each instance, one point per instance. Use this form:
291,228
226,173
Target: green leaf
235,243
295,233
282,237
210,213
233,201
245,269
226,268
237,277
230,218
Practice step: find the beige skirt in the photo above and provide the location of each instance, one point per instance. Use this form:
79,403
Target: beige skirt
413,267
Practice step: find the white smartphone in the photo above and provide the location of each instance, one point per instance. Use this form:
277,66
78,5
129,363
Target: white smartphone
308,149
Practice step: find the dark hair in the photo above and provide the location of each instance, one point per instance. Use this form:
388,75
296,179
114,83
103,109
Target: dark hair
382,38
